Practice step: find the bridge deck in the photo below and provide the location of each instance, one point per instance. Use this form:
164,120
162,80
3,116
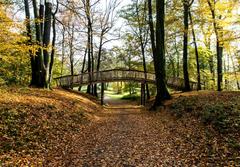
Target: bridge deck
118,75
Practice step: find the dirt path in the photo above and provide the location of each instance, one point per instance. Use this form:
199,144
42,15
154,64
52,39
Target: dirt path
123,136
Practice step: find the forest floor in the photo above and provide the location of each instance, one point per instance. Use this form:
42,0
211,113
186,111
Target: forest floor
64,129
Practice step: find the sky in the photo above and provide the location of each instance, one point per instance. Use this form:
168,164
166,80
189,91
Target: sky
119,23
19,15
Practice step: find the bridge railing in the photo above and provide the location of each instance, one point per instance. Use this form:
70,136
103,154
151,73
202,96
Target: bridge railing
118,75
105,76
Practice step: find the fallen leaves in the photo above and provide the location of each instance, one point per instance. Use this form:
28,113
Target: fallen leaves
58,128
33,120
219,113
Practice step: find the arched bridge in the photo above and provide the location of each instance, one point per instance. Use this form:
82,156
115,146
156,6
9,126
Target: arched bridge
115,75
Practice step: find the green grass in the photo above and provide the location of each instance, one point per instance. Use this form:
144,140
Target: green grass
123,96
131,97
114,95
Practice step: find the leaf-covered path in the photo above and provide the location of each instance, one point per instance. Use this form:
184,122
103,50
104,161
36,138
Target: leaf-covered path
61,128
132,137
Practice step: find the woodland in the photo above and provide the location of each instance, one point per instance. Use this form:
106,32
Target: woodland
191,43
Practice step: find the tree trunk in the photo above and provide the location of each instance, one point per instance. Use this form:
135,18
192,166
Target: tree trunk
142,47
178,59
83,67
196,53
39,54
46,42
225,77
151,27
185,47
63,50
100,52
29,32
219,65
94,87
71,52
41,18
89,88
89,63
40,62
235,73
219,46
99,60
53,45
159,60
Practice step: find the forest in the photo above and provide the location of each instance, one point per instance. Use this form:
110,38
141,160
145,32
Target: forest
164,67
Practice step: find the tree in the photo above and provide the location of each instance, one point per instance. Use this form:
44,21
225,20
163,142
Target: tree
196,53
186,6
219,43
41,61
158,49
136,17
53,43
14,58
106,21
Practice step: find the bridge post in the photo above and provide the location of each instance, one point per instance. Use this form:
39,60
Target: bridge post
102,93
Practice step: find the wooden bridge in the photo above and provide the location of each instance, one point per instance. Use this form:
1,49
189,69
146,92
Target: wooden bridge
116,75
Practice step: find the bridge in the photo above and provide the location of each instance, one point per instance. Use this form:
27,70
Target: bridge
116,75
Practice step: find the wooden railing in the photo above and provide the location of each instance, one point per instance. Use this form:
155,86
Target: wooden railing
115,75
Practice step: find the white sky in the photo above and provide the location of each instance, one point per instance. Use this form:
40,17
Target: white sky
119,24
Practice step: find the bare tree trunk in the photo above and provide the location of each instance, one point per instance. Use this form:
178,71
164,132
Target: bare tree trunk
53,45
41,17
159,60
46,42
178,59
100,51
63,50
162,93
185,46
29,32
219,46
99,60
83,66
142,46
171,64
89,88
151,27
196,53
90,55
225,77
39,65
235,73
93,86
71,52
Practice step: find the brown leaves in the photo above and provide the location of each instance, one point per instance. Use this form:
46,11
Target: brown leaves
33,121
52,128
219,114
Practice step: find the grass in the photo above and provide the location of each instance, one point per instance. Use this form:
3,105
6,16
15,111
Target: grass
131,97
113,95
123,96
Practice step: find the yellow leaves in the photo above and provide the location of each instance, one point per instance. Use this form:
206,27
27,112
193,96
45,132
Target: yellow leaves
10,38
14,56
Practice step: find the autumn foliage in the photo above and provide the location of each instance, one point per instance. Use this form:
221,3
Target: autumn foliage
34,123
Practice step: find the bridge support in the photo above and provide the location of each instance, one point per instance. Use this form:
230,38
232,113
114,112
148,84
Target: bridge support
143,94
102,93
